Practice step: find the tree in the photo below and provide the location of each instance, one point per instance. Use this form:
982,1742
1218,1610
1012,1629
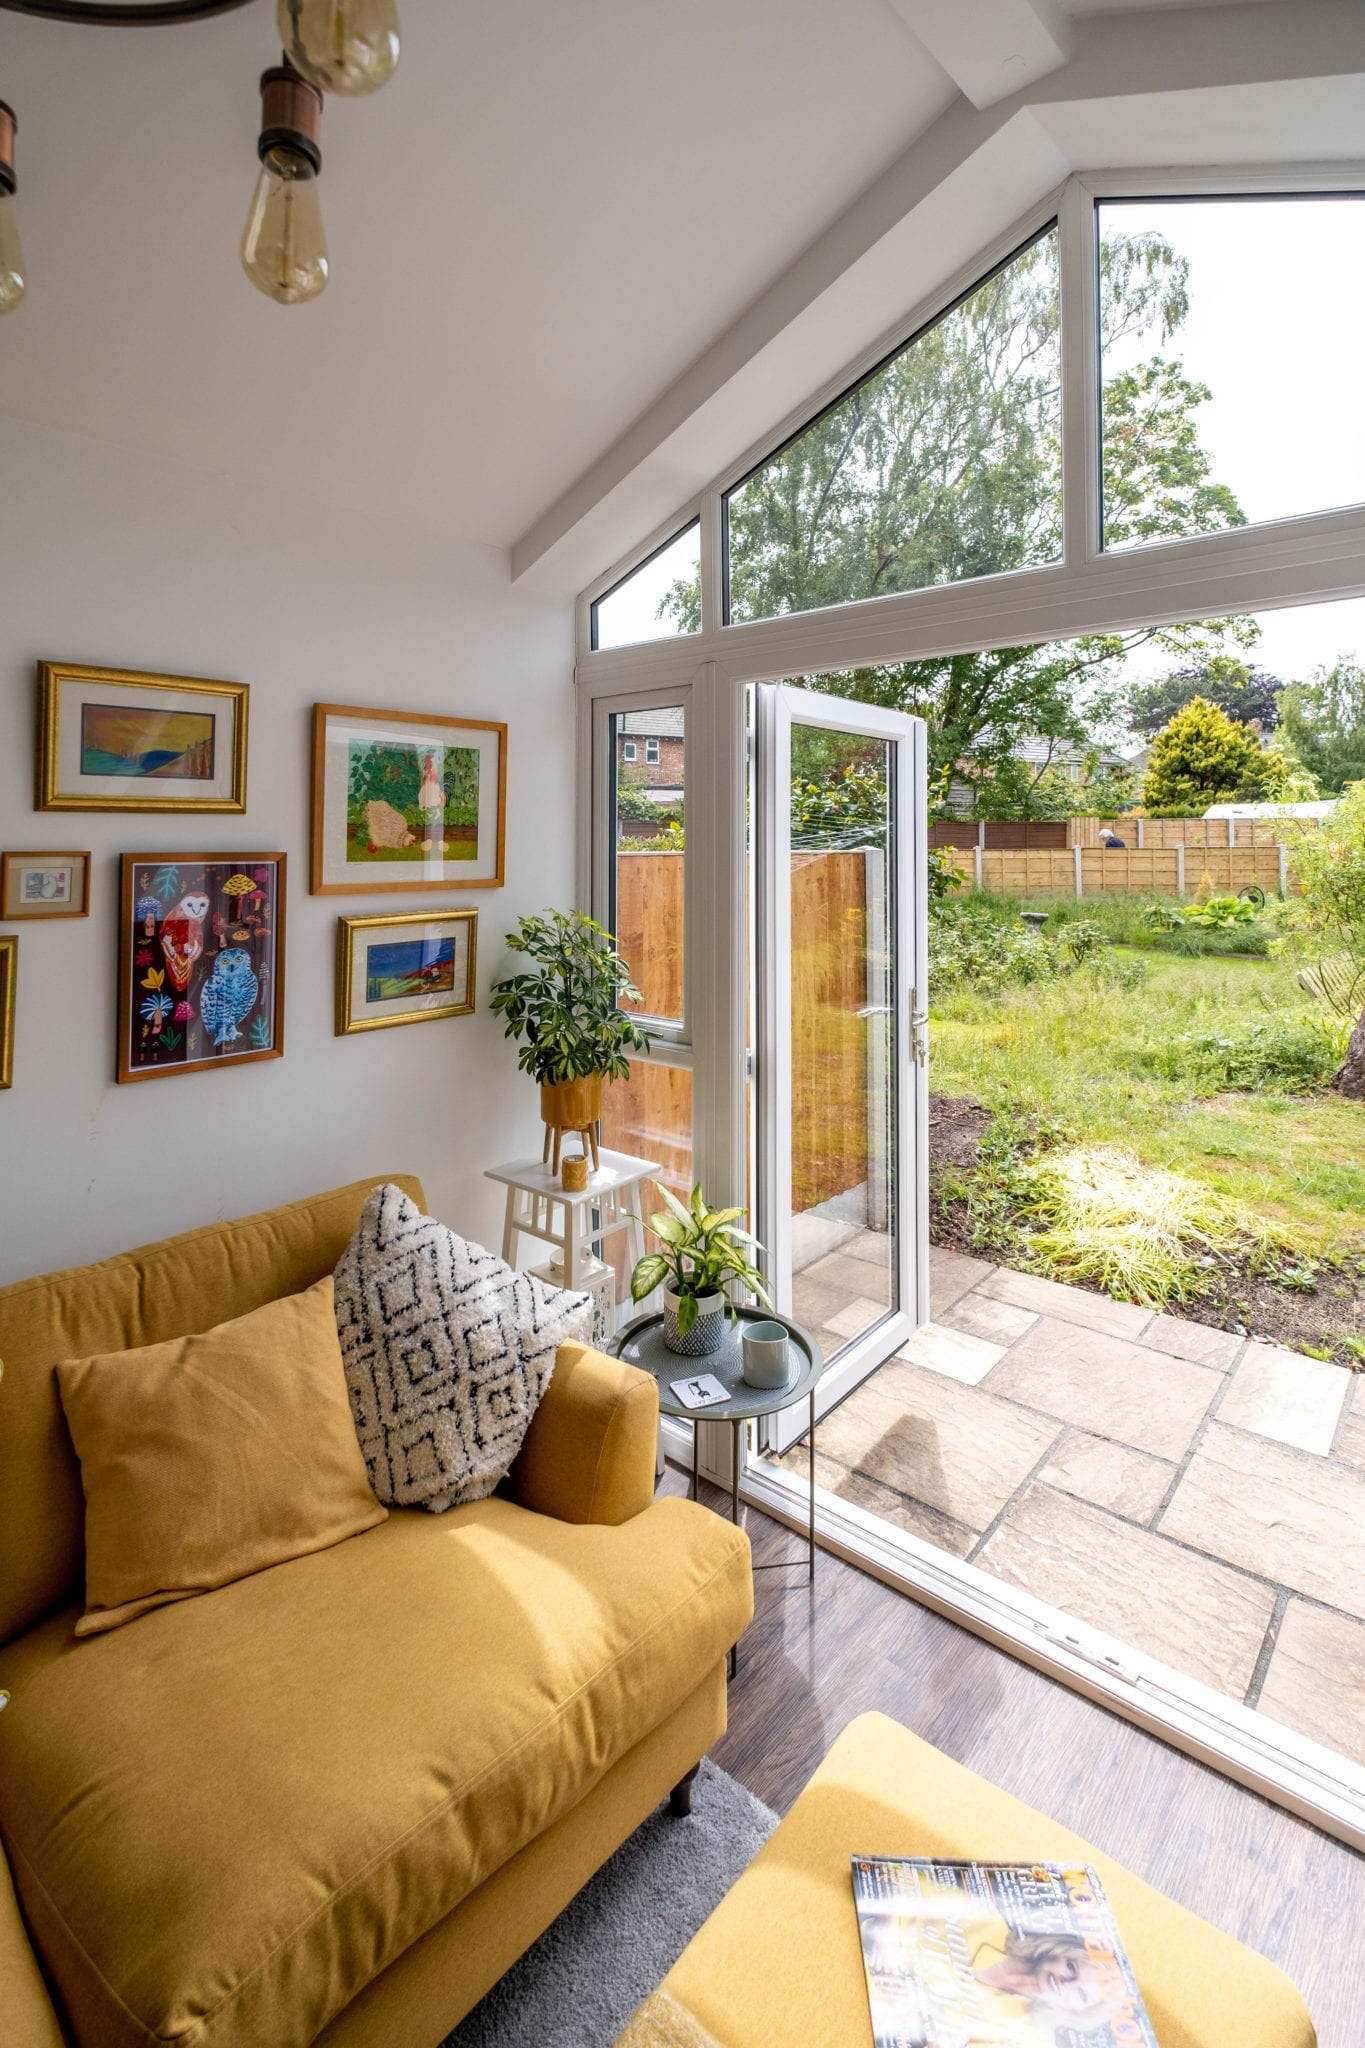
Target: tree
1325,720
1245,694
1203,757
1329,867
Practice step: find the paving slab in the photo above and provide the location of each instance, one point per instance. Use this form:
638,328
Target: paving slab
816,1304
850,1277
1283,1514
873,1245
1107,1386
893,1507
1315,1681
860,1315
1190,1613
1351,1442
1127,1482
812,1236
1068,1304
952,1447
1198,1342
1283,1395
981,1315
951,1274
952,1353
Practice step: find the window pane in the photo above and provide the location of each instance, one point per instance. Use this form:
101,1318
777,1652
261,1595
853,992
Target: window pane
649,1116
1230,357
649,859
940,466
660,598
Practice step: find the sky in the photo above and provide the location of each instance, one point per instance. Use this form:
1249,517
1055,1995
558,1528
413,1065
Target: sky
1276,329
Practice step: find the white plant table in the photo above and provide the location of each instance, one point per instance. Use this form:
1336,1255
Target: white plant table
537,1206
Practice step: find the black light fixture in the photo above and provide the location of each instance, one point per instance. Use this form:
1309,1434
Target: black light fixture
339,46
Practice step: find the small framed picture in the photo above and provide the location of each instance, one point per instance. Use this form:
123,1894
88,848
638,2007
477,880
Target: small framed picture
405,969
9,969
201,962
406,800
114,739
44,885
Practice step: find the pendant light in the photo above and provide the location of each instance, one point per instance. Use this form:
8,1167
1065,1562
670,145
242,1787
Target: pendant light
344,46
13,276
284,249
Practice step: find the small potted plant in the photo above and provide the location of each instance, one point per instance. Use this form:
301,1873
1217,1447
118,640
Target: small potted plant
568,1010
702,1252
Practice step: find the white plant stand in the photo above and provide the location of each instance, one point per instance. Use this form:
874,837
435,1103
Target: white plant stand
575,1225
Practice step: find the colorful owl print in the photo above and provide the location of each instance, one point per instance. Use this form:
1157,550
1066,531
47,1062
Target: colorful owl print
228,995
182,937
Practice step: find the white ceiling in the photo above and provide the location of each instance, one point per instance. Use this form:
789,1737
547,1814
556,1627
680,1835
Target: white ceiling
549,211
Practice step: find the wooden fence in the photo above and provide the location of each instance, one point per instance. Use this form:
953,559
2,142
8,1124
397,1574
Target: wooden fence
1104,871
1035,835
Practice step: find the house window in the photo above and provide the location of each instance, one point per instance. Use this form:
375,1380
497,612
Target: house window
659,598
941,465
646,869
651,753
628,750
1222,405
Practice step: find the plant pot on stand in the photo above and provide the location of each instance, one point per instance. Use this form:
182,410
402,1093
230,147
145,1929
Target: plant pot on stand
707,1333
571,1106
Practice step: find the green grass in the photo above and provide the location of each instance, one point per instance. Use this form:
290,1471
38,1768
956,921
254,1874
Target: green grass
1091,1056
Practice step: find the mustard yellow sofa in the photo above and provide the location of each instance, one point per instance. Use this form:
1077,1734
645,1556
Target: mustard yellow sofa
333,1801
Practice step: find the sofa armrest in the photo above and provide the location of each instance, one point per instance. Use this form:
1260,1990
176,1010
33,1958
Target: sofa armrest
30,2019
589,1453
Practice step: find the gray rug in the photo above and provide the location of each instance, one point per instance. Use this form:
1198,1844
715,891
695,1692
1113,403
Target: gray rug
608,1950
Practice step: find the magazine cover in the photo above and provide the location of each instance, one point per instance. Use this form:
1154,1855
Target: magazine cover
993,1955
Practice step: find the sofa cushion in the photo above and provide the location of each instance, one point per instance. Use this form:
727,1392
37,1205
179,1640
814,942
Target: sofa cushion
225,1821
212,1456
447,1353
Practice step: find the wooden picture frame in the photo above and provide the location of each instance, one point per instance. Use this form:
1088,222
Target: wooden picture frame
43,884
430,954
118,739
9,976
201,951
371,829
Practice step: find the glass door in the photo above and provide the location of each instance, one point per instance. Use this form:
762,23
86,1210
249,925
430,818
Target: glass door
840,975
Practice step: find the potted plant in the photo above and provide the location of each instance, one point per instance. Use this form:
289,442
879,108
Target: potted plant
702,1252
568,1010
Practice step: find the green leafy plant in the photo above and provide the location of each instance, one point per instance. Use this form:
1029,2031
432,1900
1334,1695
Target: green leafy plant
702,1252
568,1009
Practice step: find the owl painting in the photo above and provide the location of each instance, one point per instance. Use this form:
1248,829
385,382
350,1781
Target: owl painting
228,995
182,937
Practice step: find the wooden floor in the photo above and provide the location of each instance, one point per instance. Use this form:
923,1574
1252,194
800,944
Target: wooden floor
815,1657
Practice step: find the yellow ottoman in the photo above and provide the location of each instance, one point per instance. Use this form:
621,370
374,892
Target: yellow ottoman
779,1961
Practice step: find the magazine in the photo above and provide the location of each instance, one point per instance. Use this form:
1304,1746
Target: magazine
993,1955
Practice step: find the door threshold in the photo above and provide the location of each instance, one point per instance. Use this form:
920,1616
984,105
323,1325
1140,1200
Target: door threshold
1295,1772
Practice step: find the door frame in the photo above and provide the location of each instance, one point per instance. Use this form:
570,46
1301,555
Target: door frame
777,707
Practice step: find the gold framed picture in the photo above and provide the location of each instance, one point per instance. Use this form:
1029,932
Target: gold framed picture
406,800
408,968
44,885
117,739
201,962
9,970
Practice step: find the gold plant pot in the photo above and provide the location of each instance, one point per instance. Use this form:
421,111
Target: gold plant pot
570,1106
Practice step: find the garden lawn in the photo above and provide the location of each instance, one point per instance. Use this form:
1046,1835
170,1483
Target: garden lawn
1090,1056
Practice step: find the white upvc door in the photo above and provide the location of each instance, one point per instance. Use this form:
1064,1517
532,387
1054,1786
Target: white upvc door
840,974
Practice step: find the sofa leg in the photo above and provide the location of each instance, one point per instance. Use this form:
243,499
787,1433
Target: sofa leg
680,1798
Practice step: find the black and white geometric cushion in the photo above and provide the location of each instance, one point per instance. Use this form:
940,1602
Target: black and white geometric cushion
447,1353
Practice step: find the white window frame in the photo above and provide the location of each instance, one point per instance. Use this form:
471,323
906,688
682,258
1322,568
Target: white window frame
628,752
651,753
1309,558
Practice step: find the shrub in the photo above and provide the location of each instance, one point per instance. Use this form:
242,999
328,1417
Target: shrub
1293,1053
971,944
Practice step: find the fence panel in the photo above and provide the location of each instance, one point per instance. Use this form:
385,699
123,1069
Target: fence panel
649,927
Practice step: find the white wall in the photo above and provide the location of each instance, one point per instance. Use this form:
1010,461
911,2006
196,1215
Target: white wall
112,557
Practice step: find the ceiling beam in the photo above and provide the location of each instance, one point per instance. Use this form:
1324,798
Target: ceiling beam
992,48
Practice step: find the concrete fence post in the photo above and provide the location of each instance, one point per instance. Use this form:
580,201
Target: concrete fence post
1079,881
981,835
1180,870
1232,833
1284,869
977,851
1142,839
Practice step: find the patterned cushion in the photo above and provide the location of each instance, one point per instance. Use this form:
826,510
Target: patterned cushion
447,1353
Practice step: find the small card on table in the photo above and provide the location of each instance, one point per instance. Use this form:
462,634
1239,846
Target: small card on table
702,1390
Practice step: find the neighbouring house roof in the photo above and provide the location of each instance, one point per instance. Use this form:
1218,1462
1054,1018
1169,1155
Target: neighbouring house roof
665,724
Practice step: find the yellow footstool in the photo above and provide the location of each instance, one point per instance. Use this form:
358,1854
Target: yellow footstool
779,1961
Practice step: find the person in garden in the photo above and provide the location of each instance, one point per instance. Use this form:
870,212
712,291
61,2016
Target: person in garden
1109,837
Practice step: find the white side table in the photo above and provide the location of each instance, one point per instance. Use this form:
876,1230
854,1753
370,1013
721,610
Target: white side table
537,1206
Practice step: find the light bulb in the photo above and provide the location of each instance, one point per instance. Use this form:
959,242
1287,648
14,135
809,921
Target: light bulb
345,46
284,249
13,276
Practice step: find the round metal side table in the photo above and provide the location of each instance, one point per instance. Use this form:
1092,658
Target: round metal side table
641,1344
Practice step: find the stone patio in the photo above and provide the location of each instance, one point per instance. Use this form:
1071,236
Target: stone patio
1187,1491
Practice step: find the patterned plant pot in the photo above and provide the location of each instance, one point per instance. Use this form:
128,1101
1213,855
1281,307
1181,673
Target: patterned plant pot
707,1334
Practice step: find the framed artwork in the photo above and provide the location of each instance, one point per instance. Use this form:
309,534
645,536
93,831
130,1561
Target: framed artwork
405,969
201,962
9,968
405,800
44,885
115,739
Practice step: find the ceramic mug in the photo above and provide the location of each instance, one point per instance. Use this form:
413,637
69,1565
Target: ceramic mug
765,1355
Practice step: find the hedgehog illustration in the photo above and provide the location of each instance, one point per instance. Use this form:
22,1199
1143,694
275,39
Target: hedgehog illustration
228,995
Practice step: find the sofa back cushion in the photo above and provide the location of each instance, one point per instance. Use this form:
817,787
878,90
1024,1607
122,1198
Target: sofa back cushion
172,1289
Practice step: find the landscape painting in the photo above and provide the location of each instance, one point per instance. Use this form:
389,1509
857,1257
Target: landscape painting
409,967
406,800
123,739
201,967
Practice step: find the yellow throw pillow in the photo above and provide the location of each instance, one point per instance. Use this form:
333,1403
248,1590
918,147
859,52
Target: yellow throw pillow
207,1458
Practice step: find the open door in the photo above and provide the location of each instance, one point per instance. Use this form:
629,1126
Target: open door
841,1123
